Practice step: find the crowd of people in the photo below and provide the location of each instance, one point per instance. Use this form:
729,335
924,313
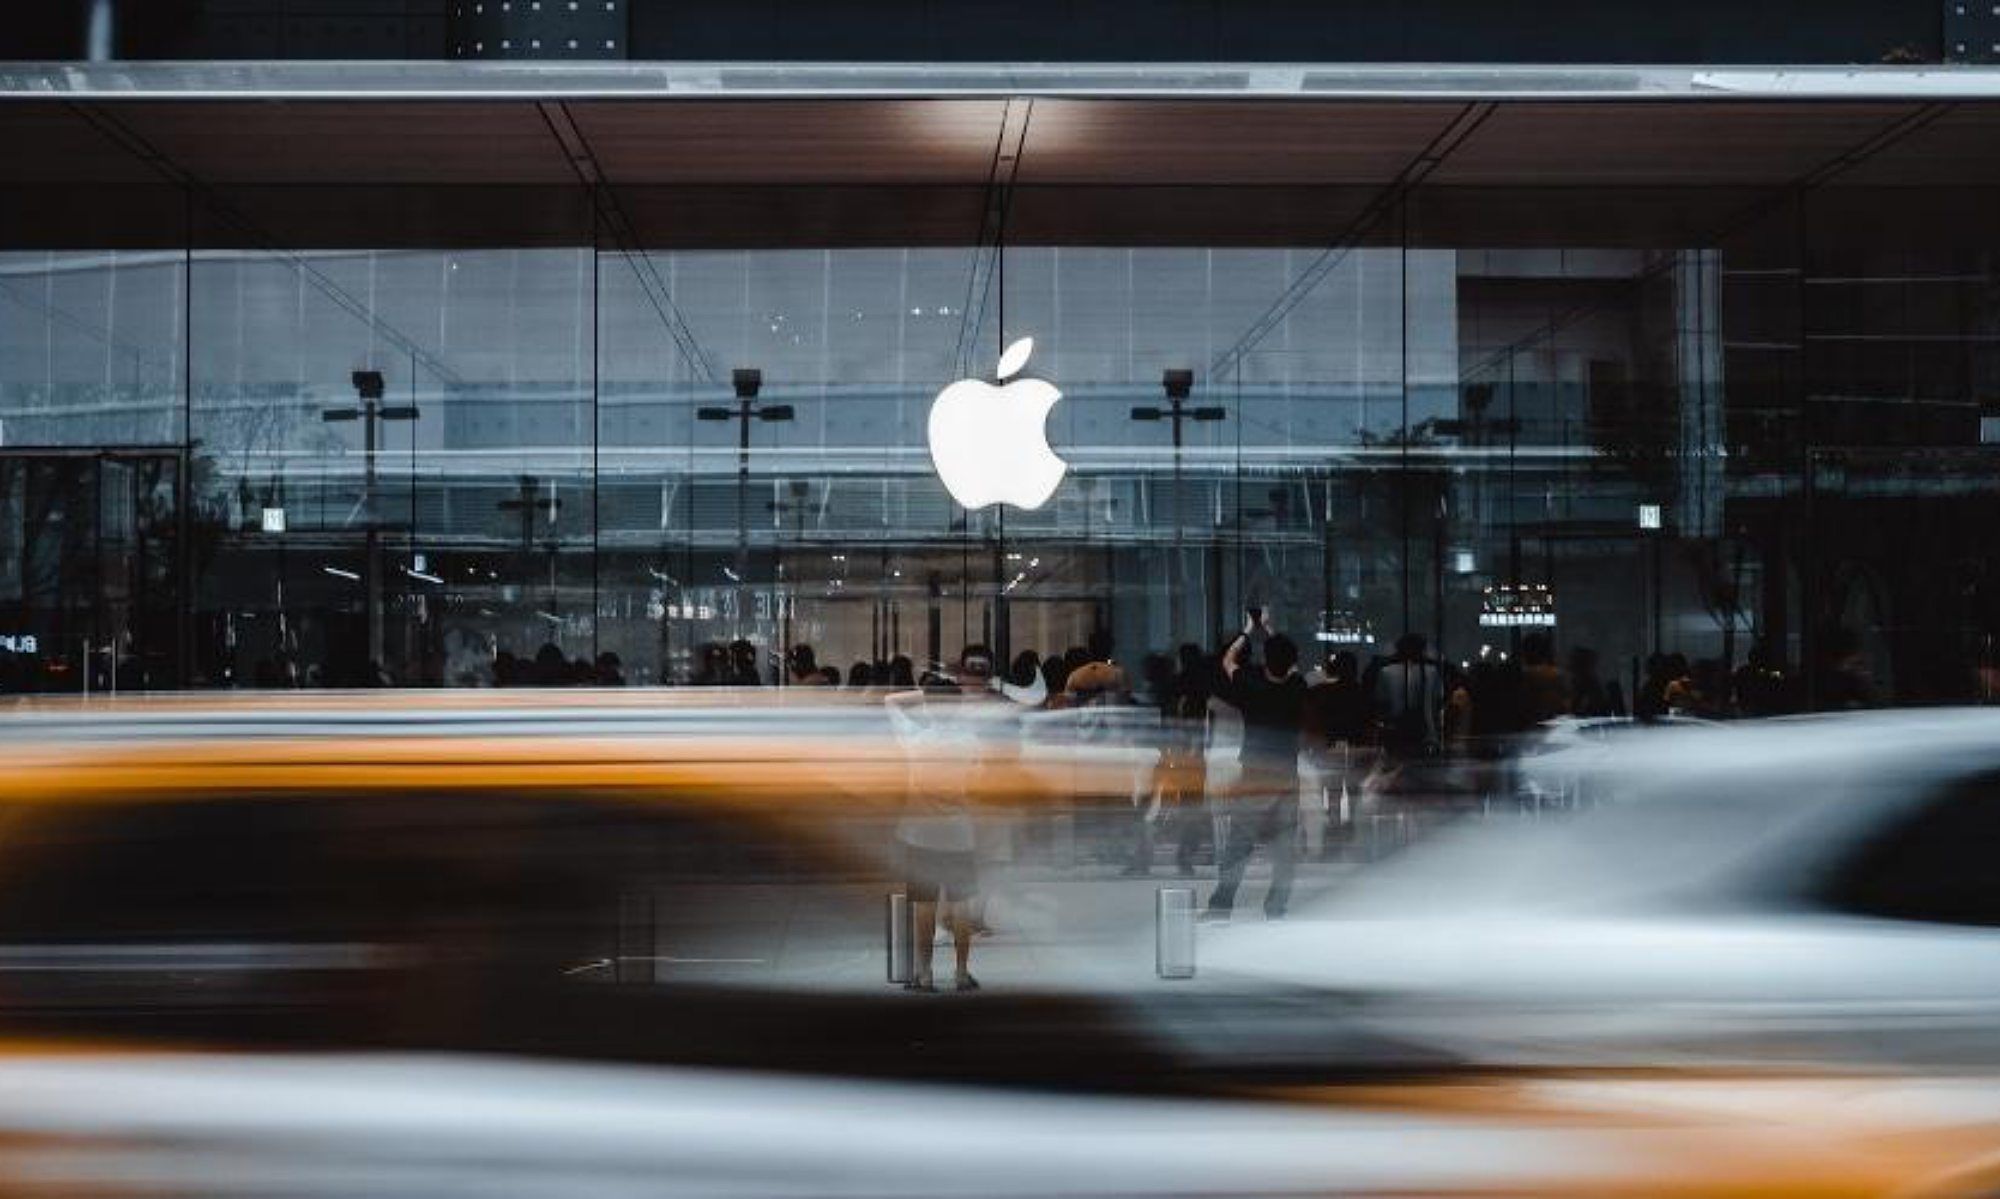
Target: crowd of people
1426,703
1251,740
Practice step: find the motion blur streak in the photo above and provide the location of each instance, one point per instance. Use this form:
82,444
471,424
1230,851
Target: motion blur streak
412,1126
644,944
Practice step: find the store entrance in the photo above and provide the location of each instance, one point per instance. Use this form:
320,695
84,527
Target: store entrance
89,547
864,606
929,603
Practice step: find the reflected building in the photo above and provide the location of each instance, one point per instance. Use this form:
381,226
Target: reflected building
1705,371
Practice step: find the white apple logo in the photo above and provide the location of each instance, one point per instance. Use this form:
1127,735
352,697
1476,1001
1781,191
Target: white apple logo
989,443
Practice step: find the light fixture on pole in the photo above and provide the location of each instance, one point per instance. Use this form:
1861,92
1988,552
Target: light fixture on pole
747,382
529,503
1179,385
369,388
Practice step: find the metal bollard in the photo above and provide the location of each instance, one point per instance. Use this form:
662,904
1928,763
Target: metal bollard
1173,934
897,938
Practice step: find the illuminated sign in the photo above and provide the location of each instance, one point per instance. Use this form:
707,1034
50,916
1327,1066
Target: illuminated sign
1526,606
990,444
1341,627
22,643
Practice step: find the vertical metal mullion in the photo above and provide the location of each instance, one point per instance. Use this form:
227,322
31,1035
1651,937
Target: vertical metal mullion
184,470
596,437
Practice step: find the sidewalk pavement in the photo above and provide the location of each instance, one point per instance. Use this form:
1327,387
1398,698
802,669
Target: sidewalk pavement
1085,930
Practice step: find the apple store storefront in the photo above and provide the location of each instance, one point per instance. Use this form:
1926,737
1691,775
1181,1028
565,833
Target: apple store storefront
399,374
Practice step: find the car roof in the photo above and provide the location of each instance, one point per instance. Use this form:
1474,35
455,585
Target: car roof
736,746
1693,813
1682,763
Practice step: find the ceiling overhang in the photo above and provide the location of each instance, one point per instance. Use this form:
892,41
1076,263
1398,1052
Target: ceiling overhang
441,154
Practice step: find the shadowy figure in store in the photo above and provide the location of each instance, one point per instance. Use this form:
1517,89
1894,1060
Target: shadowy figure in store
1762,686
743,670
1651,702
1589,696
551,668
1545,689
713,668
1054,675
1408,697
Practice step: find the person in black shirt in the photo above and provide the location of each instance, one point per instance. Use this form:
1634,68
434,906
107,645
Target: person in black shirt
1272,699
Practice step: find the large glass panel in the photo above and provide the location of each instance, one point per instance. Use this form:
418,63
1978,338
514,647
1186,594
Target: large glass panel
392,466
352,439
805,512
91,347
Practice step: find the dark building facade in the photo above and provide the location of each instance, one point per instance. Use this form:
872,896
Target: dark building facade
388,371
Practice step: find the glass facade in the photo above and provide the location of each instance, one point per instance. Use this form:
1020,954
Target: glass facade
266,437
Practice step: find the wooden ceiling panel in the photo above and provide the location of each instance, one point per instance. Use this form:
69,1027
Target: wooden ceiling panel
1960,148
354,142
1657,143
1084,215
710,217
793,141
1650,218
1195,142
50,142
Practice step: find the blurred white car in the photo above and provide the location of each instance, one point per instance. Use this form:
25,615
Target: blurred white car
1570,753
1822,885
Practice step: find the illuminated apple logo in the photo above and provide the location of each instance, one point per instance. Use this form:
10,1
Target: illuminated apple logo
990,444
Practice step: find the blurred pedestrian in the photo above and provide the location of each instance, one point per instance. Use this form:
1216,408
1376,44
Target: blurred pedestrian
936,838
1156,674
1271,696
1183,801
1336,724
